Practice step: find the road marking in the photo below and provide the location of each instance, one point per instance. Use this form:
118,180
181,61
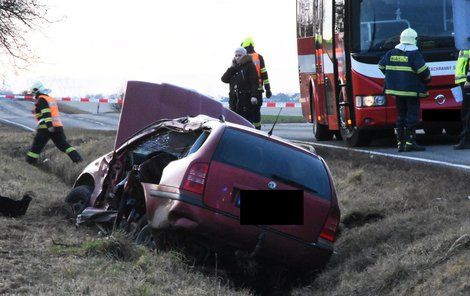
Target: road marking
17,124
429,161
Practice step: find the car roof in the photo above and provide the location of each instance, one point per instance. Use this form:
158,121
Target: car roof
146,103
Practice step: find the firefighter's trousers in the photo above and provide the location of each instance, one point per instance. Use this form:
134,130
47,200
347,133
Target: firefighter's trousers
58,137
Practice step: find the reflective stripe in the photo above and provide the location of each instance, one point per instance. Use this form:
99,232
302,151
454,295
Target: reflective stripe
42,126
257,124
266,81
401,93
45,110
32,154
381,67
263,70
399,68
423,68
70,149
405,93
48,119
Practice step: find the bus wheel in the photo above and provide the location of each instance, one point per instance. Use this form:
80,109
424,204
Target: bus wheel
353,137
433,131
321,132
453,131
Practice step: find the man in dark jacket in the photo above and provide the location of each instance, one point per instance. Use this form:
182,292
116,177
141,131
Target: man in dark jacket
243,81
263,79
406,75
50,126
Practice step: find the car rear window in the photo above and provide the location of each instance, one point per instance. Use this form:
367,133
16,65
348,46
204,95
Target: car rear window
273,160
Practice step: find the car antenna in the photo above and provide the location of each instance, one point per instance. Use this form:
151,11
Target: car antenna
274,124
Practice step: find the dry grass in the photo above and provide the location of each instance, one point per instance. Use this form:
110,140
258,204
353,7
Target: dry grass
405,231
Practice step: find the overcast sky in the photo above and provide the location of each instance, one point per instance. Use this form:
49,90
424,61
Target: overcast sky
101,44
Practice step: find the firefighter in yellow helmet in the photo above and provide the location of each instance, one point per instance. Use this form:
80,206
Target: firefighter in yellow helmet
263,79
462,78
50,126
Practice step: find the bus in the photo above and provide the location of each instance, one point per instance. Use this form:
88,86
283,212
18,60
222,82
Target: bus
340,43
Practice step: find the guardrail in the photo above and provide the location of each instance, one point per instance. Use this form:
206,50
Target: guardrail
266,104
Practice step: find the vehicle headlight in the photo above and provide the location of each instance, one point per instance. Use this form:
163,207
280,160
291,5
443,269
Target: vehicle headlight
370,101
380,100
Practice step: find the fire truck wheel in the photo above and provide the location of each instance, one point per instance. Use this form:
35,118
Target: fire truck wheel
354,137
433,131
453,131
321,132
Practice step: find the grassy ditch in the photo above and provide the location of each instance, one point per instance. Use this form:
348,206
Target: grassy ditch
405,230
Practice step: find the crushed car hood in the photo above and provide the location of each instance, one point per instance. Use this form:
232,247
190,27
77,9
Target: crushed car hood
146,103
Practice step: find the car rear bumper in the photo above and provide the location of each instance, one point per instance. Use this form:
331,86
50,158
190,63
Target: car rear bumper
185,212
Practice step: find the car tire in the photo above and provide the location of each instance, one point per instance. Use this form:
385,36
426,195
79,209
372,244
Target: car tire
77,200
146,238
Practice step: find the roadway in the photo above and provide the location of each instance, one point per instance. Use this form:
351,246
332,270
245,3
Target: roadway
439,149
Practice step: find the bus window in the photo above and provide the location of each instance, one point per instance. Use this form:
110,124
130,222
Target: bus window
305,18
380,23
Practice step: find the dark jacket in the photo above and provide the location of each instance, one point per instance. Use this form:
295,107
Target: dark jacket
243,81
406,72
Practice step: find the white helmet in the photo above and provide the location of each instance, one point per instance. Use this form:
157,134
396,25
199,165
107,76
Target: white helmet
38,87
408,36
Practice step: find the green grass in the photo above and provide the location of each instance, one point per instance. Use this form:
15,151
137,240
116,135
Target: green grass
269,119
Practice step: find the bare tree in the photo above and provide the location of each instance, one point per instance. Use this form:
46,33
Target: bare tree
17,18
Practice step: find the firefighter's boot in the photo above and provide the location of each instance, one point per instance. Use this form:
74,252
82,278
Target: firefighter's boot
411,144
401,139
75,156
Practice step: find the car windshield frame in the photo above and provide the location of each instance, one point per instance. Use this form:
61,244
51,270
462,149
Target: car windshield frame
377,24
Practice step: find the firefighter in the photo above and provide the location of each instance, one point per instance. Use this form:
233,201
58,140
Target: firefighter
49,126
406,76
243,81
263,80
463,80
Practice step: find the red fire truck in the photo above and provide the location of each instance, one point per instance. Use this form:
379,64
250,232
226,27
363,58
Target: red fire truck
340,43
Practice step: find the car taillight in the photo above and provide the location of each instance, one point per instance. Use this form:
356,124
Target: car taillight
196,178
328,231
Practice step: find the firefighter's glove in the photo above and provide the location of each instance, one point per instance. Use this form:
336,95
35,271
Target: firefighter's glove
254,100
51,129
268,93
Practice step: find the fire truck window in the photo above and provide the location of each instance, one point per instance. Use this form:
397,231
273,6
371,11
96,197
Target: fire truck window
380,22
328,26
305,18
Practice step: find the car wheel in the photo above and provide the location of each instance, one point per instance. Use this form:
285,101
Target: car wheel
433,131
146,238
77,200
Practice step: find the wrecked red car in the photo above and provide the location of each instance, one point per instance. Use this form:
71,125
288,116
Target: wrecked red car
174,170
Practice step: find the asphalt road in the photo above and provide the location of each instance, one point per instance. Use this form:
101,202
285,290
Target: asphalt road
439,149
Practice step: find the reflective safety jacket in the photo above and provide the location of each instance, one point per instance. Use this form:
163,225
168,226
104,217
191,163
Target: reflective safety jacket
47,112
406,72
262,72
461,67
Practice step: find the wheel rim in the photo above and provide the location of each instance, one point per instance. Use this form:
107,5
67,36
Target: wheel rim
346,132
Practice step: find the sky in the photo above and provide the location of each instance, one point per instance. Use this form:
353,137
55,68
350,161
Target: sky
96,46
